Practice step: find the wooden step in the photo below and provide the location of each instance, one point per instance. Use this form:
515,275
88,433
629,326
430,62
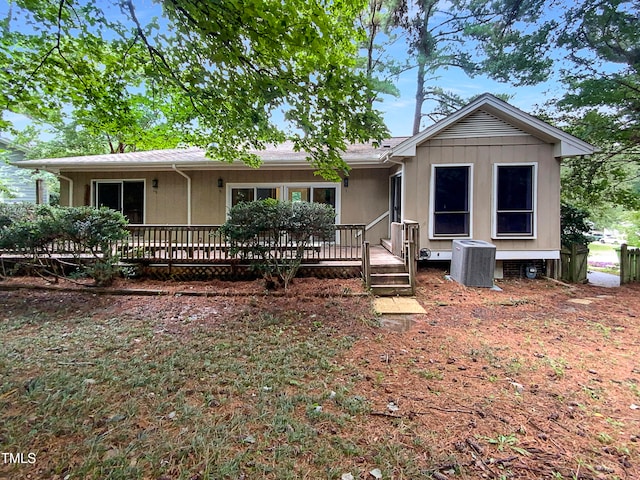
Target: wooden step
394,278
389,268
391,290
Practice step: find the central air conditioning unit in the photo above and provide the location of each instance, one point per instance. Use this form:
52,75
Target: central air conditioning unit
473,262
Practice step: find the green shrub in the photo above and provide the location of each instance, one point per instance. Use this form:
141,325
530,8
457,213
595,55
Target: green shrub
36,229
14,212
95,230
274,235
27,227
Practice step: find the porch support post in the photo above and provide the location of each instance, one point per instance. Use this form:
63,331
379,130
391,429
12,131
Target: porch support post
39,192
366,263
188,192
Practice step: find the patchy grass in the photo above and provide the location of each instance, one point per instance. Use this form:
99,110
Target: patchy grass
603,258
517,384
599,248
139,395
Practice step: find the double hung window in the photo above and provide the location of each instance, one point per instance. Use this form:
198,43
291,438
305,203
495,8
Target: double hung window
316,193
514,200
249,194
451,200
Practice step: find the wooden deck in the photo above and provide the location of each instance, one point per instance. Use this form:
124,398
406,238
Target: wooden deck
205,244
183,252
380,256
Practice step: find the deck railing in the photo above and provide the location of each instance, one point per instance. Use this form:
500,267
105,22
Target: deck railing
176,244
206,244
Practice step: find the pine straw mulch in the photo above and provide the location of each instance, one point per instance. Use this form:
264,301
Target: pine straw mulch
539,380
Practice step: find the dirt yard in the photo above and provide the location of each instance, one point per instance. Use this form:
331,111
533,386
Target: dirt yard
538,380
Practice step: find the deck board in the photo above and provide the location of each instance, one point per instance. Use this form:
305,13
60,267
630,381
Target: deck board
382,256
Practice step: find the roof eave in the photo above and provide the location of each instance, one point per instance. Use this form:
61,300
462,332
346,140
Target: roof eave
67,166
10,144
567,149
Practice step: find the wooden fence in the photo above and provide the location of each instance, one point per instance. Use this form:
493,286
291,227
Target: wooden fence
574,263
629,264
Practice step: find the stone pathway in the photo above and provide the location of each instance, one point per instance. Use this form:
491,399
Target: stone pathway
397,305
398,314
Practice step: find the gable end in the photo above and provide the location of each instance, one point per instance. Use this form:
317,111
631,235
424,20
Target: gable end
480,124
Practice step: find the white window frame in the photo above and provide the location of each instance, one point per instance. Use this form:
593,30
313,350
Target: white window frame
534,202
94,192
254,186
432,203
284,189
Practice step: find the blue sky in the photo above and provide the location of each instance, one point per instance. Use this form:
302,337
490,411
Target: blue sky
398,112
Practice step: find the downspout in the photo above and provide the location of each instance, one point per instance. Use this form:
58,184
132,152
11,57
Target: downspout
386,157
59,175
70,188
188,191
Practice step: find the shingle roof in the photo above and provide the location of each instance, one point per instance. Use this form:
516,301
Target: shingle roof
274,156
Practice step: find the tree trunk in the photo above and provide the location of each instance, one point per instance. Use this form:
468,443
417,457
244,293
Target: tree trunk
417,115
372,32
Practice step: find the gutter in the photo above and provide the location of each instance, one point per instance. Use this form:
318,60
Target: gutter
175,169
386,157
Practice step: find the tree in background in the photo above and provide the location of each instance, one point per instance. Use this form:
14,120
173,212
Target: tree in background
61,69
220,75
602,103
575,226
506,40
378,63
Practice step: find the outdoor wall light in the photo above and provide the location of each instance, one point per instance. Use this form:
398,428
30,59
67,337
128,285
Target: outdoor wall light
220,182
154,183
345,182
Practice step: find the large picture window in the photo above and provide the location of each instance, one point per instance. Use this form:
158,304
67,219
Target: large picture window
514,200
249,194
316,193
126,196
451,201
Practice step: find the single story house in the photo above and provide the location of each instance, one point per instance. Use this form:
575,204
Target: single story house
487,172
